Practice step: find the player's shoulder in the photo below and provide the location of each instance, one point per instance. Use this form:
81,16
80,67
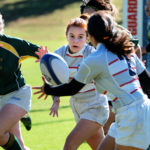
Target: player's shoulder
94,54
8,38
14,42
133,56
134,59
88,49
61,50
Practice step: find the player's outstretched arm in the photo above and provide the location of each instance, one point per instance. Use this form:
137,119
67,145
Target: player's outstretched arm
40,89
67,89
55,106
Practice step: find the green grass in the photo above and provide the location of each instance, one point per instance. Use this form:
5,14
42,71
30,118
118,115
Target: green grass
46,29
43,24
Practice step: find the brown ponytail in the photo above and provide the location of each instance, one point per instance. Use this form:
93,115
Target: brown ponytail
104,30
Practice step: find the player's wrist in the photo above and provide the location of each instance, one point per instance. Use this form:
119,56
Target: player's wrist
47,88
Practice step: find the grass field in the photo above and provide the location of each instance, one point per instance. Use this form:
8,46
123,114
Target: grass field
43,23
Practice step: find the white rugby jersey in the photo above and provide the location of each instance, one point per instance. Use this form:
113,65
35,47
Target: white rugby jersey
113,74
74,61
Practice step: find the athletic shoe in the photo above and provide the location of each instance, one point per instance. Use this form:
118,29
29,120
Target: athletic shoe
26,120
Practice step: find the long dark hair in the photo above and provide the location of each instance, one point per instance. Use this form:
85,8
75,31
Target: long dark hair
104,30
100,5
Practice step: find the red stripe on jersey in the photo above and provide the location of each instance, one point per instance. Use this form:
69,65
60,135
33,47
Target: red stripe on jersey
133,67
87,91
74,56
70,67
93,82
115,99
113,61
135,90
70,77
105,92
128,82
120,72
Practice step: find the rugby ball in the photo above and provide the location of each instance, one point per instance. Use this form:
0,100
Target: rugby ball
54,68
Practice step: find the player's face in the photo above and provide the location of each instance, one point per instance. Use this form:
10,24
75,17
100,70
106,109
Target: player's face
77,38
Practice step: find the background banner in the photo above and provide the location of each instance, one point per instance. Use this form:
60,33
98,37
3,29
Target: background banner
136,20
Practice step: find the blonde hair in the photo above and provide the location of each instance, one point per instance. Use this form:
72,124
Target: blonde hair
1,24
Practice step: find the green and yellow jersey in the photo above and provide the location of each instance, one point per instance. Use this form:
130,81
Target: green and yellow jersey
12,52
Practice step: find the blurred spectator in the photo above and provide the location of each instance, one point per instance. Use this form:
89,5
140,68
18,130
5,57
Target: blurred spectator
146,56
146,60
147,8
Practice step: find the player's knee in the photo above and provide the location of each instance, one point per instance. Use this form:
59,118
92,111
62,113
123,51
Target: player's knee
4,136
2,132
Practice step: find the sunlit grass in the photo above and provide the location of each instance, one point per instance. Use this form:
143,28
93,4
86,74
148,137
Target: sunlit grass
47,133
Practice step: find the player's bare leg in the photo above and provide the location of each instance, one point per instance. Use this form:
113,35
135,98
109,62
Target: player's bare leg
9,116
95,140
110,120
84,130
107,144
17,132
